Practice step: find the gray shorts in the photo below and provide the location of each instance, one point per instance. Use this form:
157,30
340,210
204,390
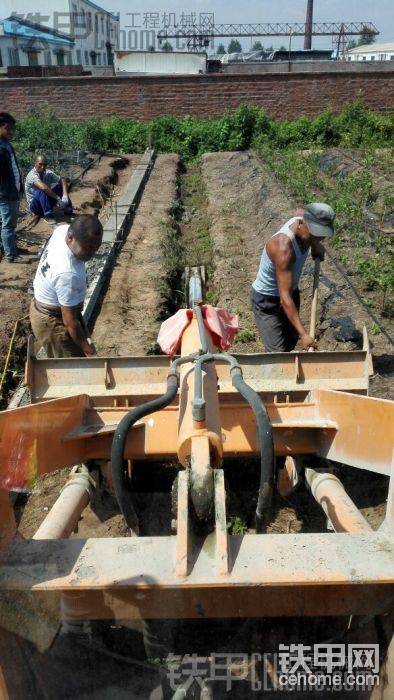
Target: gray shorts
275,329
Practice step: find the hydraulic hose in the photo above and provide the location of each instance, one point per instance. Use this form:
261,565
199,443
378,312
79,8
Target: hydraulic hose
119,441
266,447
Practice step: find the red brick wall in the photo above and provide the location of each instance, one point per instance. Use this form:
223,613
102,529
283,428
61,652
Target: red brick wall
281,95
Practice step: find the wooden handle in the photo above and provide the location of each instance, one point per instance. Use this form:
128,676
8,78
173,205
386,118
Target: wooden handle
316,275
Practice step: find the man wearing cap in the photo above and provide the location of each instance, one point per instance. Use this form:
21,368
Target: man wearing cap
275,296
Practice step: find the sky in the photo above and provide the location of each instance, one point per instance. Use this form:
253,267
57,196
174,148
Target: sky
381,13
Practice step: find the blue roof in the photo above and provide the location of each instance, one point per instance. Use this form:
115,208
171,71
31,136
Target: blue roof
14,27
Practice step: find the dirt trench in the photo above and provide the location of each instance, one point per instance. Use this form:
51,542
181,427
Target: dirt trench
129,318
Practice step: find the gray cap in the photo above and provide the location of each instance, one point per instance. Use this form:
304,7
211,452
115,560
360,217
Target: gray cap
319,218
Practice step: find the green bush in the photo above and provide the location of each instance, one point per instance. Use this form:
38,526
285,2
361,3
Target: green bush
191,137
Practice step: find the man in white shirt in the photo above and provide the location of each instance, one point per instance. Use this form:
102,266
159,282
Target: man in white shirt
46,190
60,287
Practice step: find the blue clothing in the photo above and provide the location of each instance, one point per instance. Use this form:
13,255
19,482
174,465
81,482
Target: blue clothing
9,217
10,190
43,205
266,282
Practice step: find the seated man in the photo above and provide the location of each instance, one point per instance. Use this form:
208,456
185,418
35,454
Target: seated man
45,191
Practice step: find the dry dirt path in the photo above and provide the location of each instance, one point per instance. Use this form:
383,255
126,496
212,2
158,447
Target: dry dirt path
129,317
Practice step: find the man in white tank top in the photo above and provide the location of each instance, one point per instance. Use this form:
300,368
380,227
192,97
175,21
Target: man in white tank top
60,287
275,296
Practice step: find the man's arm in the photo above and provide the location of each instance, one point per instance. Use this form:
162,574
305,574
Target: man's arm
317,250
64,183
283,258
42,186
71,316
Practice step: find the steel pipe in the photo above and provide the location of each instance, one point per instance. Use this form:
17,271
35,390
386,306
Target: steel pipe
63,517
207,391
329,492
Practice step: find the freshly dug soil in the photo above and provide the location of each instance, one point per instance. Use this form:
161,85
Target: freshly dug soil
129,318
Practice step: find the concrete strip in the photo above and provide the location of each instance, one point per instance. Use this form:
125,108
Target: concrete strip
128,200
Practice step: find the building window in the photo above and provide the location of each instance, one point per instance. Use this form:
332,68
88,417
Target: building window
383,56
392,58
79,56
69,58
372,58
47,58
60,59
99,59
87,58
364,58
1,60
32,58
93,56
13,57
96,23
102,24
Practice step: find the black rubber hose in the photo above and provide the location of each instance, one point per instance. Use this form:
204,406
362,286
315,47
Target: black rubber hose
118,445
264,427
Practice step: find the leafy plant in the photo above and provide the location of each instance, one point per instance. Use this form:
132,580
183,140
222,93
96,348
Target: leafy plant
245,336
236,526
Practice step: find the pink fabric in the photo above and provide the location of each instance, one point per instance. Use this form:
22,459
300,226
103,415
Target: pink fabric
221,325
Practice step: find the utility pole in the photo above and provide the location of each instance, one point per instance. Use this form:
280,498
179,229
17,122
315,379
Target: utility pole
308,25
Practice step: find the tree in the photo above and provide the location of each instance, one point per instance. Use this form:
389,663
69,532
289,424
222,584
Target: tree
352,44
221,50
282,48
234,46
257,46
167,46
366,37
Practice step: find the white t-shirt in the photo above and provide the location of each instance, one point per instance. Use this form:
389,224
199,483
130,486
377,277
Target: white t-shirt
60,278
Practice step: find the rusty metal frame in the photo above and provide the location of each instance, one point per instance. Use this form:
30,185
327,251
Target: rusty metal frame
218,575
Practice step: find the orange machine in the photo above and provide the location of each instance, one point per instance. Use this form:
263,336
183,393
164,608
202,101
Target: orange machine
200,408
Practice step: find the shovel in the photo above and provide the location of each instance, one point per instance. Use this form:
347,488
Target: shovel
316,276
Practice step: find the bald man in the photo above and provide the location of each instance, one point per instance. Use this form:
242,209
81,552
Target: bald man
60,287
46,191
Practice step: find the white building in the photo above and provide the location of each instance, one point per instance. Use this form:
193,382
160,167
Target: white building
94,31
159,62
372,52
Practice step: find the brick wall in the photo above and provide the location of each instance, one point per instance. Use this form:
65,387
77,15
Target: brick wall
281,95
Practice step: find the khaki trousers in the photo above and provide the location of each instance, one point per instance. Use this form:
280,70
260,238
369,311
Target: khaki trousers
51,334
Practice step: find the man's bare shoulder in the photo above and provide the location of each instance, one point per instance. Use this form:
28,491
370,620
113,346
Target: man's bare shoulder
280,247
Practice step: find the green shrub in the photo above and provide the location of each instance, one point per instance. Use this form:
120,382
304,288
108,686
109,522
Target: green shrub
191,137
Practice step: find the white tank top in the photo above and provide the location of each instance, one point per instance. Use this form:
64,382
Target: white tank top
266,282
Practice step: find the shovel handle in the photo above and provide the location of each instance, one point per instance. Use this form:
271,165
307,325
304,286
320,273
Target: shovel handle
316,276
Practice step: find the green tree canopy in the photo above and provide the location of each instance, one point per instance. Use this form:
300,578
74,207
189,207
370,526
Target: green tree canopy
366,37
167,46
234,46
220,50
257,46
